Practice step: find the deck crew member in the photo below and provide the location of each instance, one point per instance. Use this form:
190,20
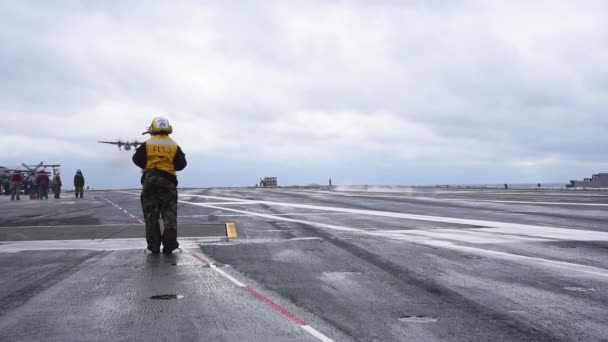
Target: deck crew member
16,182
57,185
159,158
43,185
78,183
33,186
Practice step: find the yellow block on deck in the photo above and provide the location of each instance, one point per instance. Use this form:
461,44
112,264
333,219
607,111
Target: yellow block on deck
231,230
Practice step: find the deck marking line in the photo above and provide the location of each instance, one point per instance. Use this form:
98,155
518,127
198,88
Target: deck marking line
278,218
231,230
295,319
288,214
231,203
445,244
227,276
583,204
243,215
574,267
201,260
314,332
214,197
466,200
567,265
274,306
443,219
126,212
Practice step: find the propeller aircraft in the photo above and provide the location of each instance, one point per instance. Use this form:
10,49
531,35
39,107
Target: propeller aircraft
126,144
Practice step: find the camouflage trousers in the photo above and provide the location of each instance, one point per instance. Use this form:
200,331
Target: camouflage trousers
15,191
159,198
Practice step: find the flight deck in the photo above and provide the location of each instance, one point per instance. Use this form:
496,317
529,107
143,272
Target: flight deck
288,264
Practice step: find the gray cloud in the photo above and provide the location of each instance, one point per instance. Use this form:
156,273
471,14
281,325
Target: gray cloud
389,90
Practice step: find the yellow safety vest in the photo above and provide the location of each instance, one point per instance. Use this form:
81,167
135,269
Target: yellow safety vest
160,152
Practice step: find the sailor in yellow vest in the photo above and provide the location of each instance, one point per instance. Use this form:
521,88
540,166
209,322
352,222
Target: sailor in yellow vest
160,157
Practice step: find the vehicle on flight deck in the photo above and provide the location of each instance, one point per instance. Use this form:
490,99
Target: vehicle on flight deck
120,144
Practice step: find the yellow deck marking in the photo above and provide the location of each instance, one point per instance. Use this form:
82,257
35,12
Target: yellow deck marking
231,230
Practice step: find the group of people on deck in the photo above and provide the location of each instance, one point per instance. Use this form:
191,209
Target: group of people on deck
38,184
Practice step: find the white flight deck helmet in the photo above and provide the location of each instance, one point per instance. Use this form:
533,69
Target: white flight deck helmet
160,125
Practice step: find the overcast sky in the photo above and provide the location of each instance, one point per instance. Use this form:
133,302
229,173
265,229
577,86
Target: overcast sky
365,92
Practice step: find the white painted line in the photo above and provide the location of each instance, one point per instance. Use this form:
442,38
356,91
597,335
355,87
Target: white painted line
308,214
471,200
530,193
519,228
227,276
431,240
543,203
555,203
199,257
483,223
293,318
314,332
119,208
523,232
455,235
248,215
279,218
474,200
88,244
230,199
550,233
233,203
509,256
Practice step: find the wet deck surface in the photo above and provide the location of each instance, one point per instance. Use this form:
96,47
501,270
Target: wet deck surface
310,265
101,232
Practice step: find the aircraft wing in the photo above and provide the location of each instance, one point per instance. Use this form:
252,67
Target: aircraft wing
110,142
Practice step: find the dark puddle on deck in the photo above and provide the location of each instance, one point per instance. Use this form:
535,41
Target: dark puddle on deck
167,296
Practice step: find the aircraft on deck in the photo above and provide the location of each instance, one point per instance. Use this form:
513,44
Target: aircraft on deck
31,168
120,144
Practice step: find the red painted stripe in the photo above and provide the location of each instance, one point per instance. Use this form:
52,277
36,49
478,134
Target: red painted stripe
200,259
295,319
275,306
